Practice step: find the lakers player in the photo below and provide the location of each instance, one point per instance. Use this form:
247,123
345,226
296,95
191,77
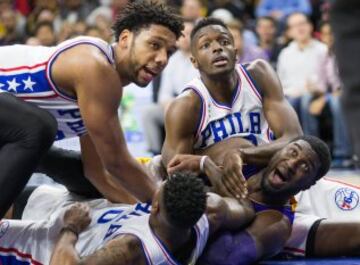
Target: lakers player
173,230
228,100
299,165
74,89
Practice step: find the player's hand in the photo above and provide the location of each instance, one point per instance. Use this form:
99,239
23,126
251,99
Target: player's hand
233,178
77,217
183,162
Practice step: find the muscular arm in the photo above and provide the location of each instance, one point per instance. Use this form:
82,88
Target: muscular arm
180,126
228,213
280,116
124,250
99,91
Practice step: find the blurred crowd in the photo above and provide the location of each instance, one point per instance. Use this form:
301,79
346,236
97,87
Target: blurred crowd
293,35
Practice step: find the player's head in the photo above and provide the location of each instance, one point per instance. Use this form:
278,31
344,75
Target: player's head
181,200
146,34
212,47
297,166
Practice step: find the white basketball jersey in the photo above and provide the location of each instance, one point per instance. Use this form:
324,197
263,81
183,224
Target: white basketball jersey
25,71
32,241
244,117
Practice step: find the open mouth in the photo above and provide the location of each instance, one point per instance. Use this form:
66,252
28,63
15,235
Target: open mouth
149,74
278,178
220,61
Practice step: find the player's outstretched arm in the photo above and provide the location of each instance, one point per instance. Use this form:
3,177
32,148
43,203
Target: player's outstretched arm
228,213
281,117
99,92
180,126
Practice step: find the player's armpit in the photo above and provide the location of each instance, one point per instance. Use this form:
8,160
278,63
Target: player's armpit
124,250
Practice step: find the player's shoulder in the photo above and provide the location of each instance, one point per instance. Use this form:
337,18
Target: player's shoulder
88,53
188,102
258,67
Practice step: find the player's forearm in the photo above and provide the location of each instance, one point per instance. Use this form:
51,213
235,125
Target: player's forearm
134,179
238,214
260,155
64,252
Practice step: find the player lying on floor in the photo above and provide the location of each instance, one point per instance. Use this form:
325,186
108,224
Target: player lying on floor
326,222
294,168
172,230
269,191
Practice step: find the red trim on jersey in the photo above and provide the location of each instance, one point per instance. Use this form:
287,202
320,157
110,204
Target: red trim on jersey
341,182
20,254
251,83
163,250
295,250
238,90
23,67
203,113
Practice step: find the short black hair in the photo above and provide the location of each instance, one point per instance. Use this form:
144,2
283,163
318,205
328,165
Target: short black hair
184,199
322,151
204,22
142,13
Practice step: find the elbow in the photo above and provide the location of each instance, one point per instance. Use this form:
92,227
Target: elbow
249,212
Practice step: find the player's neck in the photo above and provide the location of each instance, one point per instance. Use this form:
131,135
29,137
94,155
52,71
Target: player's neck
221,86
168,235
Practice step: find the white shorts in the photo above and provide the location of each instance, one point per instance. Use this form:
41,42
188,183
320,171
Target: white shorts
327,199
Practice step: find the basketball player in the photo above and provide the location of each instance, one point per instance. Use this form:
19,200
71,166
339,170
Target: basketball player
228,100
173,230
296,167
326,221
74,89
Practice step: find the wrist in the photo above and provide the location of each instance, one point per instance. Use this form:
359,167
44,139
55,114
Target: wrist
202,162
70,229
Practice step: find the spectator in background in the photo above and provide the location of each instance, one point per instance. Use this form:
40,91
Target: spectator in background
266,28
44,32
175,76
245,52
79,28
192,9
236,7
75,10
299,68
93,31
66,32
281,9
342,151
9,21
33,41
226,16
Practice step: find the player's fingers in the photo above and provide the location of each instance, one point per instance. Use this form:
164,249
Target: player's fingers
174,161
230,188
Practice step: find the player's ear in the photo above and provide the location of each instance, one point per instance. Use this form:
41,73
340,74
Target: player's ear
194,62
125,38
